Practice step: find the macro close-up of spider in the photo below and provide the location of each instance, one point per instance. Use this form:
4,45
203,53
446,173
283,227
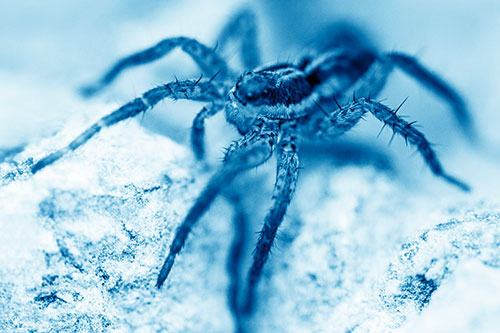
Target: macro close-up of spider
279,108
277,105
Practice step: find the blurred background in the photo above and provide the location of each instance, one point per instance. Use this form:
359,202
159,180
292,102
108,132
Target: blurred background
51,49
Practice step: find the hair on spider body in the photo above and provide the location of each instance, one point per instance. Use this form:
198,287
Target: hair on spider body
273,108
280,93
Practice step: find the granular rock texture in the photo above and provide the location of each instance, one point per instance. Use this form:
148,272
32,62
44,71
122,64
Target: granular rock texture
82,242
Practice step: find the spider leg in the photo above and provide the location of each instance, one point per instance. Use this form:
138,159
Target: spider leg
5,153
208,60
286,178
188,89
235,258
412,67
372,81
198,128
411,135
242,26
250,151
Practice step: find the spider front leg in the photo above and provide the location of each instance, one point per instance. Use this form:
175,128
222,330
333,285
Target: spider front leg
286,178
198,128
206,58
434,83
411,135
188,89
249,152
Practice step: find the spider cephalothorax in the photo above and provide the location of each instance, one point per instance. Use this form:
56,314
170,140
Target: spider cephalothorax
276,92
273,108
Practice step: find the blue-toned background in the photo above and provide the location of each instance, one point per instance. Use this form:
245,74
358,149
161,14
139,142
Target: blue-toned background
355,237
50,49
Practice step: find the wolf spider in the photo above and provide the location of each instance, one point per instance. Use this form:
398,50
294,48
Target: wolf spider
273,107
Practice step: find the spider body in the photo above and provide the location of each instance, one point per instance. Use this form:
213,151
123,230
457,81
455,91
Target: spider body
288,91
273,93
322,95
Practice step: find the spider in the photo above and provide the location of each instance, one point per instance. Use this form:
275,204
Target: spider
274,108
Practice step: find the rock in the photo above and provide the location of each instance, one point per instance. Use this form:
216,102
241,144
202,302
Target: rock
83,240
359,250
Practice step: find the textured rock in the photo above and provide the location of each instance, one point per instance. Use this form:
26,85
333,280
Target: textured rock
82,242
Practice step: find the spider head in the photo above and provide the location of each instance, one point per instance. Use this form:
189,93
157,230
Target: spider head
274,92
248,99
254,88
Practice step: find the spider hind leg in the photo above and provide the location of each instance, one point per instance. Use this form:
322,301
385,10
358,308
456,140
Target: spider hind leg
412,67
412,136
235,258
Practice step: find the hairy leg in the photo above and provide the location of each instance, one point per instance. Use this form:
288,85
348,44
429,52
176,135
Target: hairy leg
411,135
189,89
286,178
208,60
249,152
242,28
434,83
198,128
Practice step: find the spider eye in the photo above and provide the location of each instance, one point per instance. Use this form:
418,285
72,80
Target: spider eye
250,96
265,92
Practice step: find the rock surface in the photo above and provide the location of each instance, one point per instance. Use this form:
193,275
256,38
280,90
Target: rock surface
83,240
